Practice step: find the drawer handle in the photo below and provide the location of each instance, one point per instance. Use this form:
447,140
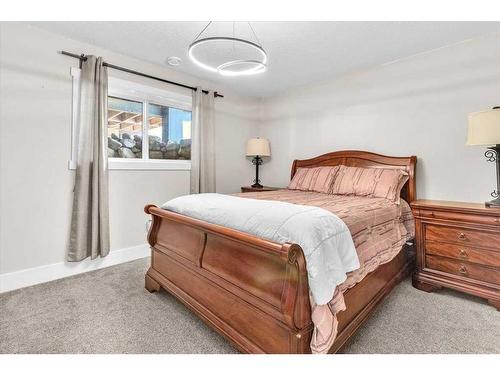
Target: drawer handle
463,253
462,270
462,236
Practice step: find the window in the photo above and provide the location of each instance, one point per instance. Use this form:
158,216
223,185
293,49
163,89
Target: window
169,130
169,133
148,127
124,128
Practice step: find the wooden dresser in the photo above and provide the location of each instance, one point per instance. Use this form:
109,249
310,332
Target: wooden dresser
458,246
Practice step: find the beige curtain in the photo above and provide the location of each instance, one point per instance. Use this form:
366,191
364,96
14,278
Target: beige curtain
203,143
89,234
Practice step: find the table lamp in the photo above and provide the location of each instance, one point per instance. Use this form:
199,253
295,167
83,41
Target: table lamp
258,147
484,129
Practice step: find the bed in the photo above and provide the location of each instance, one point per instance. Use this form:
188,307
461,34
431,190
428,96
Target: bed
254,291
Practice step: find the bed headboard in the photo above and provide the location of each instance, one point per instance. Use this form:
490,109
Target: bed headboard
366,160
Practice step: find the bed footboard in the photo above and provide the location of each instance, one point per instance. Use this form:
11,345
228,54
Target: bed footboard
253,291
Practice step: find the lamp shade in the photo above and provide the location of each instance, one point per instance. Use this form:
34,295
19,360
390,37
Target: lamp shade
258,146
484,128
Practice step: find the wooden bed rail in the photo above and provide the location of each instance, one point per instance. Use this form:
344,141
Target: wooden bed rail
253,290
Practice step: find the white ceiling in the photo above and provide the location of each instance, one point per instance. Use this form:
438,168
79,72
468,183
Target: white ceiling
300,53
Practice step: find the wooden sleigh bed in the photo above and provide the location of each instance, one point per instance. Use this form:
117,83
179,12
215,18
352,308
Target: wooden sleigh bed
254,291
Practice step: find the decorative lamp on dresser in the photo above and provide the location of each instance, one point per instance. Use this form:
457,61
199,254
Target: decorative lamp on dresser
458,247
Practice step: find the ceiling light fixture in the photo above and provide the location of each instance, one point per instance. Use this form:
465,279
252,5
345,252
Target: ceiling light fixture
244,58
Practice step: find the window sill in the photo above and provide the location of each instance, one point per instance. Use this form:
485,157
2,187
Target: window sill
140,164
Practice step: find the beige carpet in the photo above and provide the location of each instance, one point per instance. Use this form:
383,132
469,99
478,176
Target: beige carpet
109,311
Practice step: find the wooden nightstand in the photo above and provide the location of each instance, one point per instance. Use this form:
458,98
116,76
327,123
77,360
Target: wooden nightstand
248,189
458,247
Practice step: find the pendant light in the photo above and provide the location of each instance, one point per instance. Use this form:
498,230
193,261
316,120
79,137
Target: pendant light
241,57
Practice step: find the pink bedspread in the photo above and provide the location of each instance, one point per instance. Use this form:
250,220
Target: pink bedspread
379,229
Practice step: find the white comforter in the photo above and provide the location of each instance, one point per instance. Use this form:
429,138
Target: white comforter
324,238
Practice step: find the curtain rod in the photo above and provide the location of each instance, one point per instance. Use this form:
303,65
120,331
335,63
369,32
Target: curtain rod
82,57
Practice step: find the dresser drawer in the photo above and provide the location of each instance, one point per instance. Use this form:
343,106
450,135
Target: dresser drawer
455,267
460,217
463,253
469,237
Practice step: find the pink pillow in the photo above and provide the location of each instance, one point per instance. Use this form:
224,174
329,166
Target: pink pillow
370,182
319,179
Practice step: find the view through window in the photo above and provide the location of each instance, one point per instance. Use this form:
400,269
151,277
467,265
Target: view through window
167,130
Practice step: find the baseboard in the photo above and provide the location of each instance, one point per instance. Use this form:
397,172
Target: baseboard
49,272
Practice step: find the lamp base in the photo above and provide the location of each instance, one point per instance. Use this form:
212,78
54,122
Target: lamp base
495,203
257,160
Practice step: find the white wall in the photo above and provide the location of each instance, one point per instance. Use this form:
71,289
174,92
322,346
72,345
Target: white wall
415,106
35,117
